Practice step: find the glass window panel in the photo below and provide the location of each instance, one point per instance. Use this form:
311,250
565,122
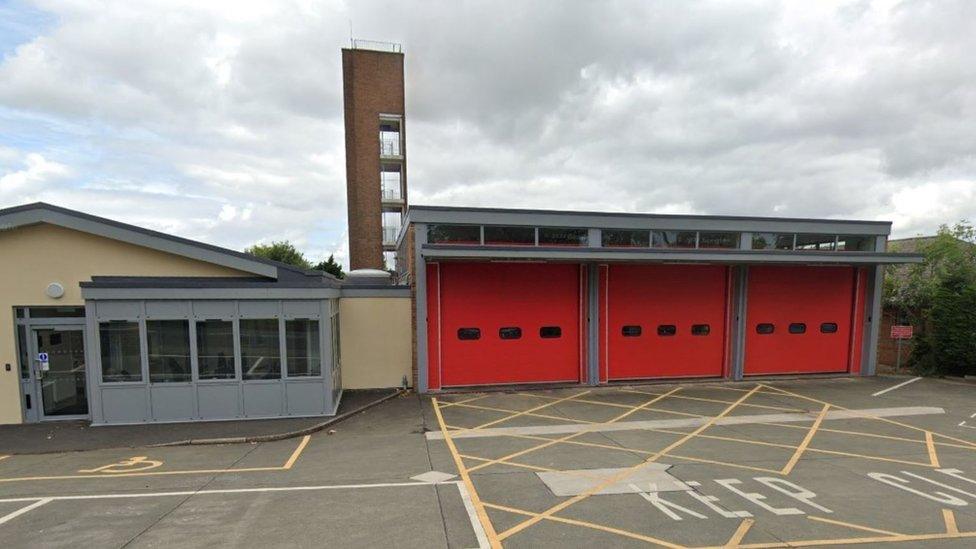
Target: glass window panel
168,344
631,331
798,328
772,241
389,137
626,238
121,361
215,349
553,236
466,334
855,243
550,332
673,239
260,351
390,181
454,234
302,342
510,235
513,332
815,242
718,240
336,338
22,354
667,330
57,312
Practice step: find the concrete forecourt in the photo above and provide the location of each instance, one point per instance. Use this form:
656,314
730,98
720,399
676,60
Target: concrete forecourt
815,462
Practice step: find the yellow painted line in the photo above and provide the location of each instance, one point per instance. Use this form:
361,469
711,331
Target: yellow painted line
950,521
726,402
571,436
930,444
859,541
298,451
594,526
740,533
968,443
624,473
806,441
583,400
733,465
648,452
530,410
465,401
288,464
466,479
854,526
507,411
514,464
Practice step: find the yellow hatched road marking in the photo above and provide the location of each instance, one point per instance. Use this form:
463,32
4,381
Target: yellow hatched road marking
968,443
541,406
618,531
726,402
465,401
512,463
466,479
740,533
526,413
571,436
855,526
623,474
806,441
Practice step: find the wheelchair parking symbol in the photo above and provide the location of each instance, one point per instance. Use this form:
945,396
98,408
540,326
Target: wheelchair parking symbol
131,465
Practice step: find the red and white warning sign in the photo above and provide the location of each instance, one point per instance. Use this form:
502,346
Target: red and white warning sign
902,331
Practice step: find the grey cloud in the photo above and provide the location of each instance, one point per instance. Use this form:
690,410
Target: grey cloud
166,115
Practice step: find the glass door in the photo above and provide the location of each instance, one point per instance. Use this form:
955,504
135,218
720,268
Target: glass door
58,359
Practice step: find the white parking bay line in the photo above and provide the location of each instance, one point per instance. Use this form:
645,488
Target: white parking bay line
902,384
687,422
10,516
465,498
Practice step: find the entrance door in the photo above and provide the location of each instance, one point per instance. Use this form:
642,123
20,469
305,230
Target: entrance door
60,384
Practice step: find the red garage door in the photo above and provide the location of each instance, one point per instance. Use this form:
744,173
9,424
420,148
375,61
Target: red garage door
497,323
799,320
665,321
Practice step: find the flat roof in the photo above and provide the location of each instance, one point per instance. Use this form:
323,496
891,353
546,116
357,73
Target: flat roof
629,220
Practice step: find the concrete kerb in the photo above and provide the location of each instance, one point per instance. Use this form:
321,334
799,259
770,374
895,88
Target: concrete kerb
282,436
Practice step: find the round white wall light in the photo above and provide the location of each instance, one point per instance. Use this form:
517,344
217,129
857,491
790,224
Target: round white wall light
54,290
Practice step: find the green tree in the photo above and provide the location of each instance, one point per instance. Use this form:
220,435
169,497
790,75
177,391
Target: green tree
282,251
330,266
939,297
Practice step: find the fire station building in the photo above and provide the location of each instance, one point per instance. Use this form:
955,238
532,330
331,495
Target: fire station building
543,297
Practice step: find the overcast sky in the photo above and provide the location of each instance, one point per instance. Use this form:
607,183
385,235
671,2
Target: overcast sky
224,123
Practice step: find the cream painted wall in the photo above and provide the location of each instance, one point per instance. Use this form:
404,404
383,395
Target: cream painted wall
376,342
34,256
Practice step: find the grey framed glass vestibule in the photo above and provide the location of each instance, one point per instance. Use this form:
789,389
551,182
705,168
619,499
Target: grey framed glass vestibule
189,360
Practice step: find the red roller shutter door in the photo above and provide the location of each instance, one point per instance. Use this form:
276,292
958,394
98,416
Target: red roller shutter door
665,321
799,319
504,323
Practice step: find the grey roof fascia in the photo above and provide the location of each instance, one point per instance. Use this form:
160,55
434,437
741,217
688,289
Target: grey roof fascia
101,293
614,220
528,253
32,214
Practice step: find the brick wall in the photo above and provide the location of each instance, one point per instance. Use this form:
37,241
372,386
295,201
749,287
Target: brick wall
887,347
372,83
